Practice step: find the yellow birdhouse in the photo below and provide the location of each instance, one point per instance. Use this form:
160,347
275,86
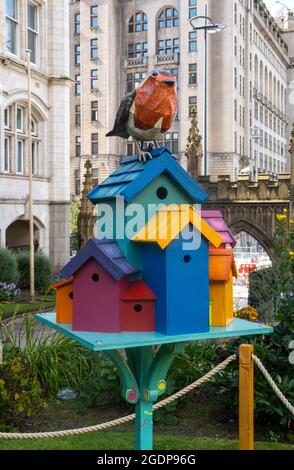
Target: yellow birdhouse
222,270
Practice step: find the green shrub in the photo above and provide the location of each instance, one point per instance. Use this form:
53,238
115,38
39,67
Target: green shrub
20,393
8,267
43,271
58,362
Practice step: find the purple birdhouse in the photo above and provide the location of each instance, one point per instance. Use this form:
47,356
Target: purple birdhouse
100,277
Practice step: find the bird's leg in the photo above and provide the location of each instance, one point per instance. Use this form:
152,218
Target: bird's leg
156,144
143,155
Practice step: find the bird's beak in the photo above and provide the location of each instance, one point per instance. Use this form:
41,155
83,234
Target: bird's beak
168,82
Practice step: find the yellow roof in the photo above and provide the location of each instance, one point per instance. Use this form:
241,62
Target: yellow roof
169,221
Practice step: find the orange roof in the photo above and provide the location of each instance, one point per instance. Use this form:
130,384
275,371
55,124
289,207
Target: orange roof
221,262
62,283
139,290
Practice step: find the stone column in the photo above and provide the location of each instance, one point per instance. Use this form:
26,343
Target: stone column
59,131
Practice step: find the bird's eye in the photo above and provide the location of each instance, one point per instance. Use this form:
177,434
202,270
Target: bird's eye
155,74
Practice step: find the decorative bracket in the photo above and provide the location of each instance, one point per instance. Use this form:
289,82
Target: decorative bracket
130,389
155,381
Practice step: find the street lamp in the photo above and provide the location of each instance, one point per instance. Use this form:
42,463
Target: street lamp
206,24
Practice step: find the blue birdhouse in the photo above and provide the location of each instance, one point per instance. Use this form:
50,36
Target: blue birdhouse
175,264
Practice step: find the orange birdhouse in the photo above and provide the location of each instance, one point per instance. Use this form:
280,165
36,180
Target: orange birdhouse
64,301
222,269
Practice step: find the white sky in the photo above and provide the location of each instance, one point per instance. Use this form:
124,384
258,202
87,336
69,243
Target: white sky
289,3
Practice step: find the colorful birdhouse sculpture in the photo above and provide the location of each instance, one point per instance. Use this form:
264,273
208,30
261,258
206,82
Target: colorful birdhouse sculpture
100,278
178,274
222,270
64,301
138,308
161,180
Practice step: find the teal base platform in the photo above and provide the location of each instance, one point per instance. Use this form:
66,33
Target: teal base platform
108,341
143,368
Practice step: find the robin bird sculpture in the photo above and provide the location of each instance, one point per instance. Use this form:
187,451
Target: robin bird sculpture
148,112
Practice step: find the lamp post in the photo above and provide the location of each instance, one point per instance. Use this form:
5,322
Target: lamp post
206,24
31,212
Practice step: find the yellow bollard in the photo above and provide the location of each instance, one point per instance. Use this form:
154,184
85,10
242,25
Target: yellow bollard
246,397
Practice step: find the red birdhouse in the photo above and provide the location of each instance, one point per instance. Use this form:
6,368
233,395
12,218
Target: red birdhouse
138,308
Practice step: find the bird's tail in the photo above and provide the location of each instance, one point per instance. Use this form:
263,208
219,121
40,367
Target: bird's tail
110,134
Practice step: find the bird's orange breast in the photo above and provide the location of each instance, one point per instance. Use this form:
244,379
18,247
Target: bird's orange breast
155,101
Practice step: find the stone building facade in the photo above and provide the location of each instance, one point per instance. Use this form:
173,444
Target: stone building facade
43,27
248,67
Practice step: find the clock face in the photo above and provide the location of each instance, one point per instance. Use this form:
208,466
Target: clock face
291,357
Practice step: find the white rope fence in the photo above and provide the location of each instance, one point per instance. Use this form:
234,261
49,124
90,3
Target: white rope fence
117,422
274,386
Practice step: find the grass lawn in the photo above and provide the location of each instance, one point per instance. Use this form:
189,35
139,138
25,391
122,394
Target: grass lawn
125,441
43,302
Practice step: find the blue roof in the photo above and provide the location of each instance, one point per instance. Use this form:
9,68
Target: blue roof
134,176
107,253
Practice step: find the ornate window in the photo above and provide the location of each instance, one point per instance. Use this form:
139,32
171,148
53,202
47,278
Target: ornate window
137,50
168,18
15,142
138,23
168,46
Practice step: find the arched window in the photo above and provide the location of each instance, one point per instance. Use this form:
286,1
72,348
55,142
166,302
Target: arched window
16,139
168,18
138,23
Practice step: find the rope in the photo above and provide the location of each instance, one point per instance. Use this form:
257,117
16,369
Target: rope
117,422
274,386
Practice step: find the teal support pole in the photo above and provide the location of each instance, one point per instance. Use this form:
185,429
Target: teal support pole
140,360
143,375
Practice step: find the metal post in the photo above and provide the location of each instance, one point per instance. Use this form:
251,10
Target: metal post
31,211
246,397
205,98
